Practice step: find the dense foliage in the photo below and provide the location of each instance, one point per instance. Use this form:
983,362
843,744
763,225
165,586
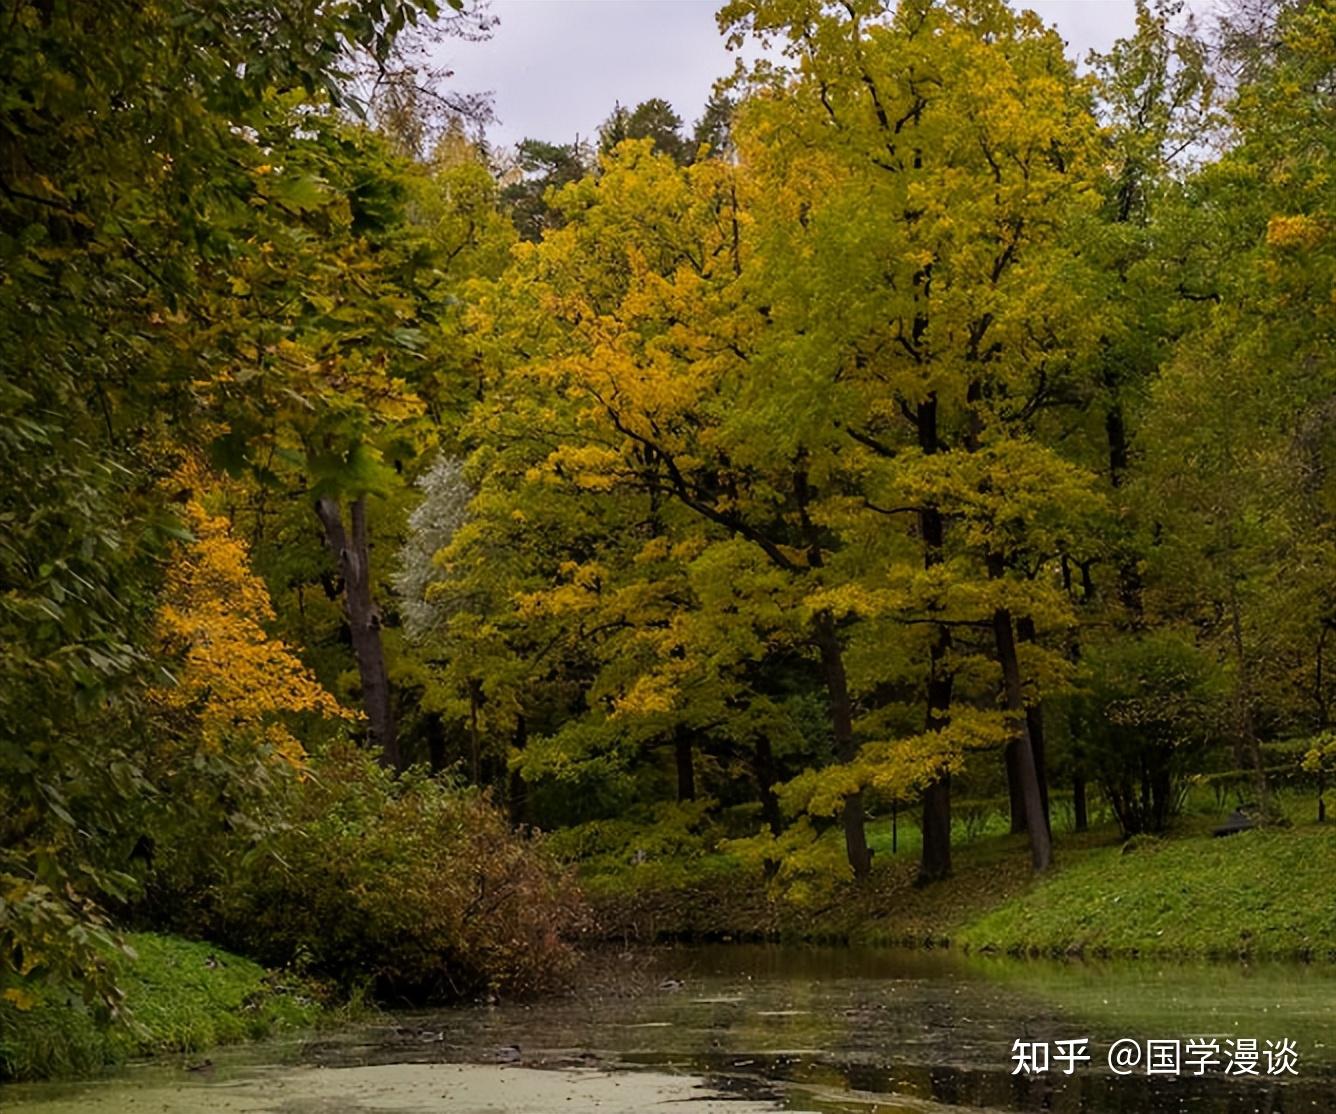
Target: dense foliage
943,428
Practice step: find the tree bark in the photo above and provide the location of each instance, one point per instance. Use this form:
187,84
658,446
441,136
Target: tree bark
842,732
351,552
935,863
764,767
1034,720
1080,816
1015,797
1004,634
935,859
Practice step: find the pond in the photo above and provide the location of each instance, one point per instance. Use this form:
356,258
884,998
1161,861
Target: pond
741,1029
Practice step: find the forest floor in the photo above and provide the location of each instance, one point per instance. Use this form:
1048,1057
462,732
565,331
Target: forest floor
1262,894
182,997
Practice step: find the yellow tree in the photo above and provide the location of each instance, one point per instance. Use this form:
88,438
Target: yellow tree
919,175
627,358
235,686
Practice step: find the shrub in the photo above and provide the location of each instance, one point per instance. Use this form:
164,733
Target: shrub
420,889
1149,710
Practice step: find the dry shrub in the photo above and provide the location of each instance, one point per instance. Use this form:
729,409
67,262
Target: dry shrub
414,886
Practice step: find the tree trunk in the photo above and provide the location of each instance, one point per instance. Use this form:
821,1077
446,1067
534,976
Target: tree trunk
1080,817
686,772
352,554
935,860
837,691
1011,759
1034,720
935,863
842,733
434,729
1004,634
764,765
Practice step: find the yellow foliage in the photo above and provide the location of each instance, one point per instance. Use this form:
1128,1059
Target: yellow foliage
651,694
234,682
19,998
1297,231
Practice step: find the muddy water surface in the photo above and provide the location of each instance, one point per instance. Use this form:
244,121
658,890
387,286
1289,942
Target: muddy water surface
748,1030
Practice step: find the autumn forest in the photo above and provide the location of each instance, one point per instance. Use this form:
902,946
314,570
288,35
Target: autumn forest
419,558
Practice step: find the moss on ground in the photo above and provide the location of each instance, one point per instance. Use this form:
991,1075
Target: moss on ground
180,996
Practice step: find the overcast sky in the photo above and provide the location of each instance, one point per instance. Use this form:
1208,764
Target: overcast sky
556,67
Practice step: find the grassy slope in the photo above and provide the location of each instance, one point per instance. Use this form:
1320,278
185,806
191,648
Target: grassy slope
181,997
1263,894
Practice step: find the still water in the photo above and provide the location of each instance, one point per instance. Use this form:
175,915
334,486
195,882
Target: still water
746,1030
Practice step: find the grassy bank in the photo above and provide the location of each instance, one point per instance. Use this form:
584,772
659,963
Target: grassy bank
181,997
1264,894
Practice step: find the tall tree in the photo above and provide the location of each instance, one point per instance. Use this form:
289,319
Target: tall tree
937,154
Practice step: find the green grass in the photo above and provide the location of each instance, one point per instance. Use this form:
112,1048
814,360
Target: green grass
180,997
1264,894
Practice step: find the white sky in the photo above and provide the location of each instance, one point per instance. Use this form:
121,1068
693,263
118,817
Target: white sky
556,67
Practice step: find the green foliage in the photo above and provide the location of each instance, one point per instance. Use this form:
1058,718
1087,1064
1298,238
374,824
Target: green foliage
125,159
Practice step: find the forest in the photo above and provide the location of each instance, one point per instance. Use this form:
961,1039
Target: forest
418,558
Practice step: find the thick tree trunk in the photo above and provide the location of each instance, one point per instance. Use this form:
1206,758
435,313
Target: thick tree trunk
935,860
1004,634
1034,720
1080,816
351,551
686,770
1027,774
1015,796
935,863
842,733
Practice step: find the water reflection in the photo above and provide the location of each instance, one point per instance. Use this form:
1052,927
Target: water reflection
921,1027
